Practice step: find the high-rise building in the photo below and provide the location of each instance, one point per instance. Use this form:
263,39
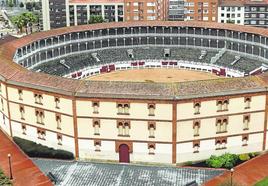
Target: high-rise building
231,12
61,13
201,10
256,13
176,10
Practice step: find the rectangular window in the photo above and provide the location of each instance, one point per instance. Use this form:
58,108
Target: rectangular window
197,108
220,143
59,138
221,125
38,98
39,117
20,94
151,147
41,134
96,125
151,128
196,145
95,106
151,108
247,101
22,112
196,126
222,105
2,104
246,122
97,144
58,120
23,128
57,103
123,108
123,128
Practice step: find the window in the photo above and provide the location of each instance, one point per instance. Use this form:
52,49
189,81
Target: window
2,104
97,144
151,108
151,147
245,140
247,102
197,108
246,122
39,117
221,125
151,128
38,98
20,94
22,112
57,102
220,143
59,138
123,108
96,125
95,106
123,128
23,128
41,134
222,105
196,145
196,126
58,120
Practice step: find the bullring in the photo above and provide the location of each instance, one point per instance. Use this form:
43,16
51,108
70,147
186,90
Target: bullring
138,121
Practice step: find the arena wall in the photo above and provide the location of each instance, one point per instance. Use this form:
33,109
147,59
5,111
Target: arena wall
61,113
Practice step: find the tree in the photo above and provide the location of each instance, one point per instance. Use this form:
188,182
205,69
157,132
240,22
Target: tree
21,5
26,19
29,6
226,160
10,3
95,19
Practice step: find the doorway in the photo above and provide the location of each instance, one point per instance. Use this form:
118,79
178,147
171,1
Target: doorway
123,153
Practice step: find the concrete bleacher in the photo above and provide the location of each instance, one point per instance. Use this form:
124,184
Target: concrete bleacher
244,64
80,61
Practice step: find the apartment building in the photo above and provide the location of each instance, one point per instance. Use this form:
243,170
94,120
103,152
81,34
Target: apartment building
256,13
201,10
231,12
249,12
61,13
176,10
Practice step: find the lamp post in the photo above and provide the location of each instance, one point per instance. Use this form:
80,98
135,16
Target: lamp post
232,172
10,168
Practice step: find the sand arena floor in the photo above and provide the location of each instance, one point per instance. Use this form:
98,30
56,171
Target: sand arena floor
154,75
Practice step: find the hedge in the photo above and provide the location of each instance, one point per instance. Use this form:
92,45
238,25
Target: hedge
226,160
33,149
4,180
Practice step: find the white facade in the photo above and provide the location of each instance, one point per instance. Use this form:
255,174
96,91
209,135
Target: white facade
231,14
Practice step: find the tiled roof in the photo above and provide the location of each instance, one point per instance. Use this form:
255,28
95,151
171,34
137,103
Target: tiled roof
21,76
79,173
234,3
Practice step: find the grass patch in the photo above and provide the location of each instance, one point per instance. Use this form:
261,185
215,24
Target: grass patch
4,180
35,150
263,182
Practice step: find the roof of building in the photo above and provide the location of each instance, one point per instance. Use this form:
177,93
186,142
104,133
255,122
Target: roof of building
88,173
231,3
17,75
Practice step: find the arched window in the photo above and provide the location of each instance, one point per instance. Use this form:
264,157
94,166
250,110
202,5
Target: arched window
96,125
196,127
197,108
246,122
151,108
247,102
151,147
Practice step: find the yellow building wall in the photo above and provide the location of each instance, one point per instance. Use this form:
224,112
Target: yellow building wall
209,108
65,105
49,119
136,110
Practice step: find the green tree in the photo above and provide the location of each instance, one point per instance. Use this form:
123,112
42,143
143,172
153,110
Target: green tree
24,20
95,19
10,3
29,6
21,5
226,160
